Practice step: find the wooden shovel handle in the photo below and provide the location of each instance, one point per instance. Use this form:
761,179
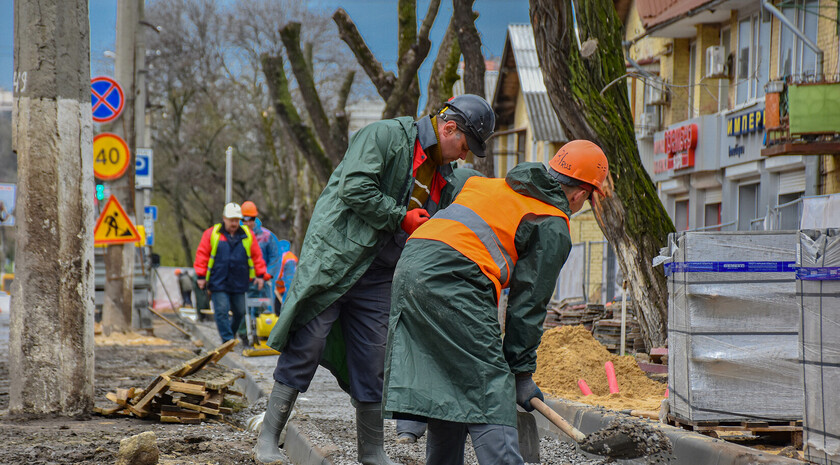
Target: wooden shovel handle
557,420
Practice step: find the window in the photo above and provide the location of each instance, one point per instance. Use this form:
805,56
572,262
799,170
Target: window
795,58
747,205
681,214
723,90
711,215
788,216
753,57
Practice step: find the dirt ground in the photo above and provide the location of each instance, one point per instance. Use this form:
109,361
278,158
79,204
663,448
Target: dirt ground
96,439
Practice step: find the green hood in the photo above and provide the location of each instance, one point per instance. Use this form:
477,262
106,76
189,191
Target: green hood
531,179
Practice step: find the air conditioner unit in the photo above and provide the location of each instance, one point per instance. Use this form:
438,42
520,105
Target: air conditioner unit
715,62
648,124
657,95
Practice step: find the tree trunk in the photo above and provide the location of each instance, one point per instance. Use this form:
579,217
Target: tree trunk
302,134
574,84
51,327
444,71
474,67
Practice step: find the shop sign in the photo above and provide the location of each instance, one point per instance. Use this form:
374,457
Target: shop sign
747,123
679,144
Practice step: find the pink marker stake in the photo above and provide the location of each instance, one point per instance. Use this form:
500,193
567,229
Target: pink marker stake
613,383
584,388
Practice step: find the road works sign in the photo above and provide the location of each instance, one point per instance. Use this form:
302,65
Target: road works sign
106,99
114,226
110,156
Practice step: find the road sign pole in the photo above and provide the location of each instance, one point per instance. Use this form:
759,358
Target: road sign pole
228,175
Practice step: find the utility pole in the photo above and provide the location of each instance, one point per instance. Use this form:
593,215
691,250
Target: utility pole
51,326
119,259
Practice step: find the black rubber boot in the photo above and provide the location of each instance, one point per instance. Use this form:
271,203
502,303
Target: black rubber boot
280,405
370,436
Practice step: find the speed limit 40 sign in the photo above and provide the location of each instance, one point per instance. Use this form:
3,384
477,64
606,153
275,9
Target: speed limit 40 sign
110,156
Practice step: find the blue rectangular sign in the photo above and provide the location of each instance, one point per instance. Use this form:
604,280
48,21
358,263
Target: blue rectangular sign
150,211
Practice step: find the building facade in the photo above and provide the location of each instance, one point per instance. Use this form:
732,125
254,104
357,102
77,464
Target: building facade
702,72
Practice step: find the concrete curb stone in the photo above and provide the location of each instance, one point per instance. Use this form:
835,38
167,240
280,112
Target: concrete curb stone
688,447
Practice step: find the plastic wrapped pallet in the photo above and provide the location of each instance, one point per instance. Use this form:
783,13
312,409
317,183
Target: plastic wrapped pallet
818,287
733,321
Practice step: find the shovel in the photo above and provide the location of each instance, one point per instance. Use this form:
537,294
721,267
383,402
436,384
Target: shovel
621,441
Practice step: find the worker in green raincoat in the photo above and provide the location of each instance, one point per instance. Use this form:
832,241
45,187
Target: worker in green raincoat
447,360
395,174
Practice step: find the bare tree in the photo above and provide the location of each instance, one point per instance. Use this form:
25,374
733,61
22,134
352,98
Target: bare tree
400,92
631,216
474,66
208,90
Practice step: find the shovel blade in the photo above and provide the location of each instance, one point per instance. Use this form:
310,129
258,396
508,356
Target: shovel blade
529,437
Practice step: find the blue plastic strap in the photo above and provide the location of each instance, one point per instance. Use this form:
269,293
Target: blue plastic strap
729,267
818,273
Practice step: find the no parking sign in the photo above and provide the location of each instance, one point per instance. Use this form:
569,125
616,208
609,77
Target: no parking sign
106,98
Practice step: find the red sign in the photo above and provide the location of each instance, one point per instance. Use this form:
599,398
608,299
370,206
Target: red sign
679,145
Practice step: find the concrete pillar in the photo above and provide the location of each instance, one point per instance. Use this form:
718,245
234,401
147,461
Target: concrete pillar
51,333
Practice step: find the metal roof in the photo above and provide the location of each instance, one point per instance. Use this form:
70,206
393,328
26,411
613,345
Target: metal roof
544,123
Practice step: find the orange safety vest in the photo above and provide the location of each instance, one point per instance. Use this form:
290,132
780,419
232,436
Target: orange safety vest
481,224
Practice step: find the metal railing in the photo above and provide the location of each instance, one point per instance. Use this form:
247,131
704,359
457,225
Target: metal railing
717,227
777,219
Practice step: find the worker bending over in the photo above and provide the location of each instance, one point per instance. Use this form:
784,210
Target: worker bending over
395,174
446,359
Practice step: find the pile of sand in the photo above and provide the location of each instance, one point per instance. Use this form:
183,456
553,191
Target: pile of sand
128,339
570,353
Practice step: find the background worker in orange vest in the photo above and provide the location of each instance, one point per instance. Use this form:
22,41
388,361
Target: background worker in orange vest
446,361
228,258
288,266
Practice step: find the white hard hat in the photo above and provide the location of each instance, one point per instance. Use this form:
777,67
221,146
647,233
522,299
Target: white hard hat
233,210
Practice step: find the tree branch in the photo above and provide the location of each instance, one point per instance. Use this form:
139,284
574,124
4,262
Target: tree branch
384,81
290,34
444,70
302,135
341,122
408,73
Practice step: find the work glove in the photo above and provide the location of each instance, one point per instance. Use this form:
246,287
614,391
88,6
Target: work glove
526,389
413,219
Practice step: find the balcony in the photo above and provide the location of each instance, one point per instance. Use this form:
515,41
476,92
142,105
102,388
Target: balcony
802,118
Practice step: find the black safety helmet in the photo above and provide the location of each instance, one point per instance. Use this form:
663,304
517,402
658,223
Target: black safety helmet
478,120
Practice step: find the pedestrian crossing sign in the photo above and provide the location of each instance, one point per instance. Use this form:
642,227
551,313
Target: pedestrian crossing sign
114,226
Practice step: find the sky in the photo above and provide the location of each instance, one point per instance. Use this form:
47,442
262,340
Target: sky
375,19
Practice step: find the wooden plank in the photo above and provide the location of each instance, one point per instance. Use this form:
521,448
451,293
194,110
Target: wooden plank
109,410
158,385
225,410
198,408
187,388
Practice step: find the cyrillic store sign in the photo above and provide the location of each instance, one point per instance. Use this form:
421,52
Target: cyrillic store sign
679,144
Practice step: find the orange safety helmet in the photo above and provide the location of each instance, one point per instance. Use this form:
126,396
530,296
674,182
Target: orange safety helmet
249,209
177,271
584,161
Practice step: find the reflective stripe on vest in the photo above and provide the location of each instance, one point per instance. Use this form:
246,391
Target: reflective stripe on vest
481,224
214,245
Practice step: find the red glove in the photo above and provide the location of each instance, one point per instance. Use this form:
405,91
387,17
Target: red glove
413,219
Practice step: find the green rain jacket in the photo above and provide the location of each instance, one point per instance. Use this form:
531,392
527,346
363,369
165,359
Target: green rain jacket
446,355
360,209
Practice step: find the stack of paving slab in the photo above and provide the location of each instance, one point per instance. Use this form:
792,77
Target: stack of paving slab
733,326
818,288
